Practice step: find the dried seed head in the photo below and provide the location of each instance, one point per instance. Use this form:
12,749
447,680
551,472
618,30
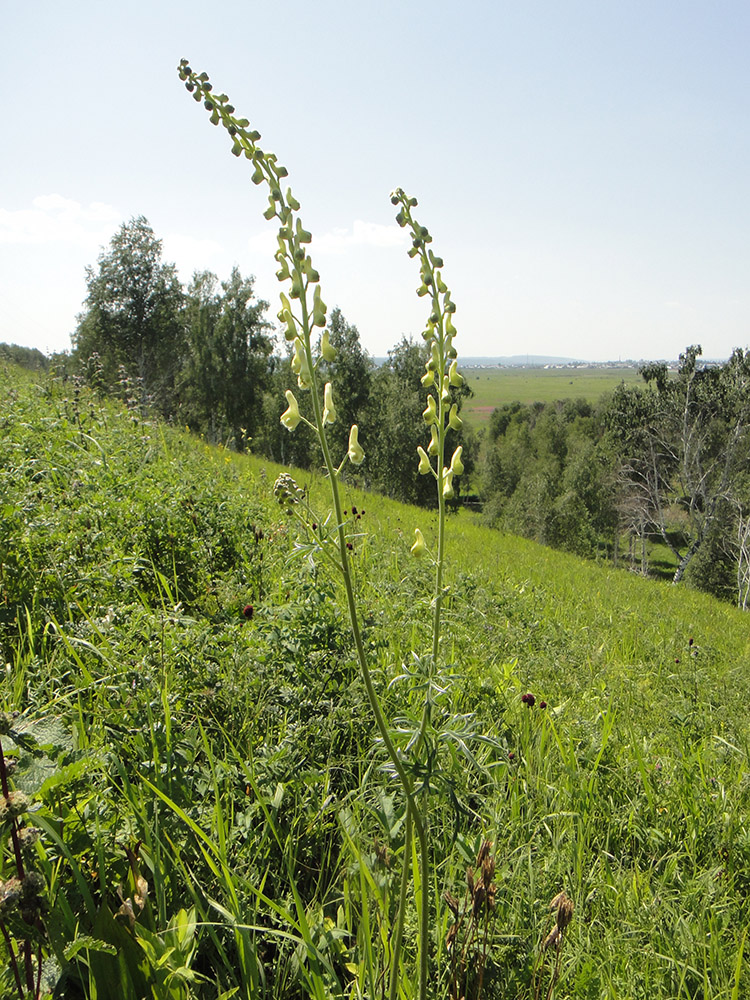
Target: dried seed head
484,852
470,880
480,895
488,872
452,903
552,938
450,937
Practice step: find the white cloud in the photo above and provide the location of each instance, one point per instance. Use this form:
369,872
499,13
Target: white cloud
371,234
336,241
190,253
55,219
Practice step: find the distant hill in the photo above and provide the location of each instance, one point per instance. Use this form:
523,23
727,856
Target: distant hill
520,361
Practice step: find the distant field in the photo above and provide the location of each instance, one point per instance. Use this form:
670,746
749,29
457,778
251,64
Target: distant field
495,386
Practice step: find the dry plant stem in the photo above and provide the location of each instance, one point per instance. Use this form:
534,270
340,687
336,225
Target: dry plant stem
20,872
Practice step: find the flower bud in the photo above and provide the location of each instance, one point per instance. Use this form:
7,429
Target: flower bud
291,416
329,410
430,413
418,548
448,492
454,421
327,350
457,466
355,453
432,448
454,378
319,308
424,462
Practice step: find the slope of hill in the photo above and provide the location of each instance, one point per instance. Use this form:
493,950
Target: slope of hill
186,668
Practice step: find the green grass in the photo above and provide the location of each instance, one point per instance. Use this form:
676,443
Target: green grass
235,754
494,386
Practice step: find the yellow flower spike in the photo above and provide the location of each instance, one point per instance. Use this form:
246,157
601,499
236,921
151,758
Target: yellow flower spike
430,413
424,462
329,410
327,350
355,454
419,547
433,447
453,377
457,466
445,395
454,421
291,416
448,491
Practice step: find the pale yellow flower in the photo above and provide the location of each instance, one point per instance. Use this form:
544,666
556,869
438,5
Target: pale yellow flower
419,547
291,416
355,453
424,462
329,410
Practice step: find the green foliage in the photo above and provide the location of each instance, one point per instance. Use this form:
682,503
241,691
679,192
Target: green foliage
226,369
132,318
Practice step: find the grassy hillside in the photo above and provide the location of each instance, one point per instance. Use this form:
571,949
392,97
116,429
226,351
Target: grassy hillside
191,715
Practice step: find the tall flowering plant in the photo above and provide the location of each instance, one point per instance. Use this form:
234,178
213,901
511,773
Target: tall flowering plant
302,311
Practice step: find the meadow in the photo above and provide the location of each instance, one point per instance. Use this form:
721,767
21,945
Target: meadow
215,815
493,387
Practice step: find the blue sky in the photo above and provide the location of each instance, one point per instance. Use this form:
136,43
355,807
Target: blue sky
584,167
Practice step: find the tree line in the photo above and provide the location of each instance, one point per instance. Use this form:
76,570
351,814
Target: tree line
655,476
204,356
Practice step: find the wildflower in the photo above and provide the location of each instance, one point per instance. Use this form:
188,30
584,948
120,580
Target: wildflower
329,410
350,546
424,462
542,704
457,466
528,699
448,491
300,366
286,490
428,378
453,377
433,447
419,547
291,416
248,611
326,348
445,395
454,421
355,453
430,413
